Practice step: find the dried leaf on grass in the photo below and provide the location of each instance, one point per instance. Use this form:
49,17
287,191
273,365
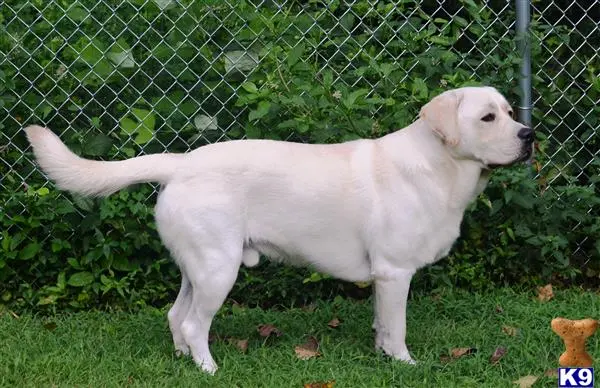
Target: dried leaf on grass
553,373
498,354
50,326
456,353
444,358
526,381
335,322
509,330
309,308
545,293
499,309
459,352
308,350
212,337
327,384
241,344
268,329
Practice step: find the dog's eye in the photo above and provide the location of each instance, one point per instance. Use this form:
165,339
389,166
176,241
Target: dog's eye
511,114
489,117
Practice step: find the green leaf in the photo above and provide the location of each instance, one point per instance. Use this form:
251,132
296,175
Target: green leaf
95,121
128,125
42,191
291,123
204,122
144,136
164,4
50,299
250,87
77,13
260,112
5,241
123,59
350,100
56,246
73,263
29,251
98,145
91,51
327,78
240,60
81,279
419,89
84,203
347,21
295,54
144,127
252,132
441,40
145,117
120,263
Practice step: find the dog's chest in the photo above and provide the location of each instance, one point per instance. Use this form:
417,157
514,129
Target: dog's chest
417,231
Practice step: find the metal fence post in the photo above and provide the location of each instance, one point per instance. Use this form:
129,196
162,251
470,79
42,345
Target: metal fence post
522,30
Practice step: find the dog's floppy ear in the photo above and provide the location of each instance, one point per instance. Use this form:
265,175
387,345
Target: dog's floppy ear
441,115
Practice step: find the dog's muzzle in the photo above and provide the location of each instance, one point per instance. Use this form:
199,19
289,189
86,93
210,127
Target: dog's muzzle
527,136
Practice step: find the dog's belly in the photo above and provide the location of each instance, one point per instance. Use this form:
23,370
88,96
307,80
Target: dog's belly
343,260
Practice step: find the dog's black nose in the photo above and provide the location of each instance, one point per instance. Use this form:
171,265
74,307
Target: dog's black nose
526,134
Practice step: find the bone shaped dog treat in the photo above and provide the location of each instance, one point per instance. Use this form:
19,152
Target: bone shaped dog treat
574,334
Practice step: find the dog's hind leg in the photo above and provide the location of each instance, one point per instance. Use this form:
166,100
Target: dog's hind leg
211,276
177,314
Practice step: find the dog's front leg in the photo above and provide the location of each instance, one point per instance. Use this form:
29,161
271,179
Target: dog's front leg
391,295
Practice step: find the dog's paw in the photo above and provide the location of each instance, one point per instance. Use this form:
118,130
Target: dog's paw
209,367
406,359
182,351
402,355
206,363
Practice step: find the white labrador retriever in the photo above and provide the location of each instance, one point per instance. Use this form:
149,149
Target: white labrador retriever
364,210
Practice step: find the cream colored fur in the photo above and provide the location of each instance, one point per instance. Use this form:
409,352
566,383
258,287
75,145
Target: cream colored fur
365,210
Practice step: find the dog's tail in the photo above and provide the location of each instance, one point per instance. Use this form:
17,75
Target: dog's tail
96,178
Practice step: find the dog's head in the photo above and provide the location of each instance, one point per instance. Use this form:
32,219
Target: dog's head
477,123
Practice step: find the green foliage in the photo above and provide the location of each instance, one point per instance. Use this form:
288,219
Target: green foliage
118,78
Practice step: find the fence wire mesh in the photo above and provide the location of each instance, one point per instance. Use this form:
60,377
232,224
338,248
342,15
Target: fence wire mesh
117,78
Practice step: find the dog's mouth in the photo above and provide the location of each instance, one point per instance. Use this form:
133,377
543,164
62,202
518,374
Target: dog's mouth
526,155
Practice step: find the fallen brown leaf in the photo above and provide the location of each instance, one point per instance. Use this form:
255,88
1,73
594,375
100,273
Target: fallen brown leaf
308,350
499,309
328,384
241,344
509,330
526,381
459,352
212,337
553,373
545,293
268,329
444,358
309,308
335,322
498,354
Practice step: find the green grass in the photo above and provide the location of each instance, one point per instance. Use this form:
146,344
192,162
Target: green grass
119,349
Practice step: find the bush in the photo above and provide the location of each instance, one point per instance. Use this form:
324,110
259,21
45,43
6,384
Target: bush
116,80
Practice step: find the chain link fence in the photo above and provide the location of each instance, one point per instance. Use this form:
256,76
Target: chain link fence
117,78
171,55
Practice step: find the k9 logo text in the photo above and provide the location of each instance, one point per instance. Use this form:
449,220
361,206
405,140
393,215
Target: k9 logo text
575,377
